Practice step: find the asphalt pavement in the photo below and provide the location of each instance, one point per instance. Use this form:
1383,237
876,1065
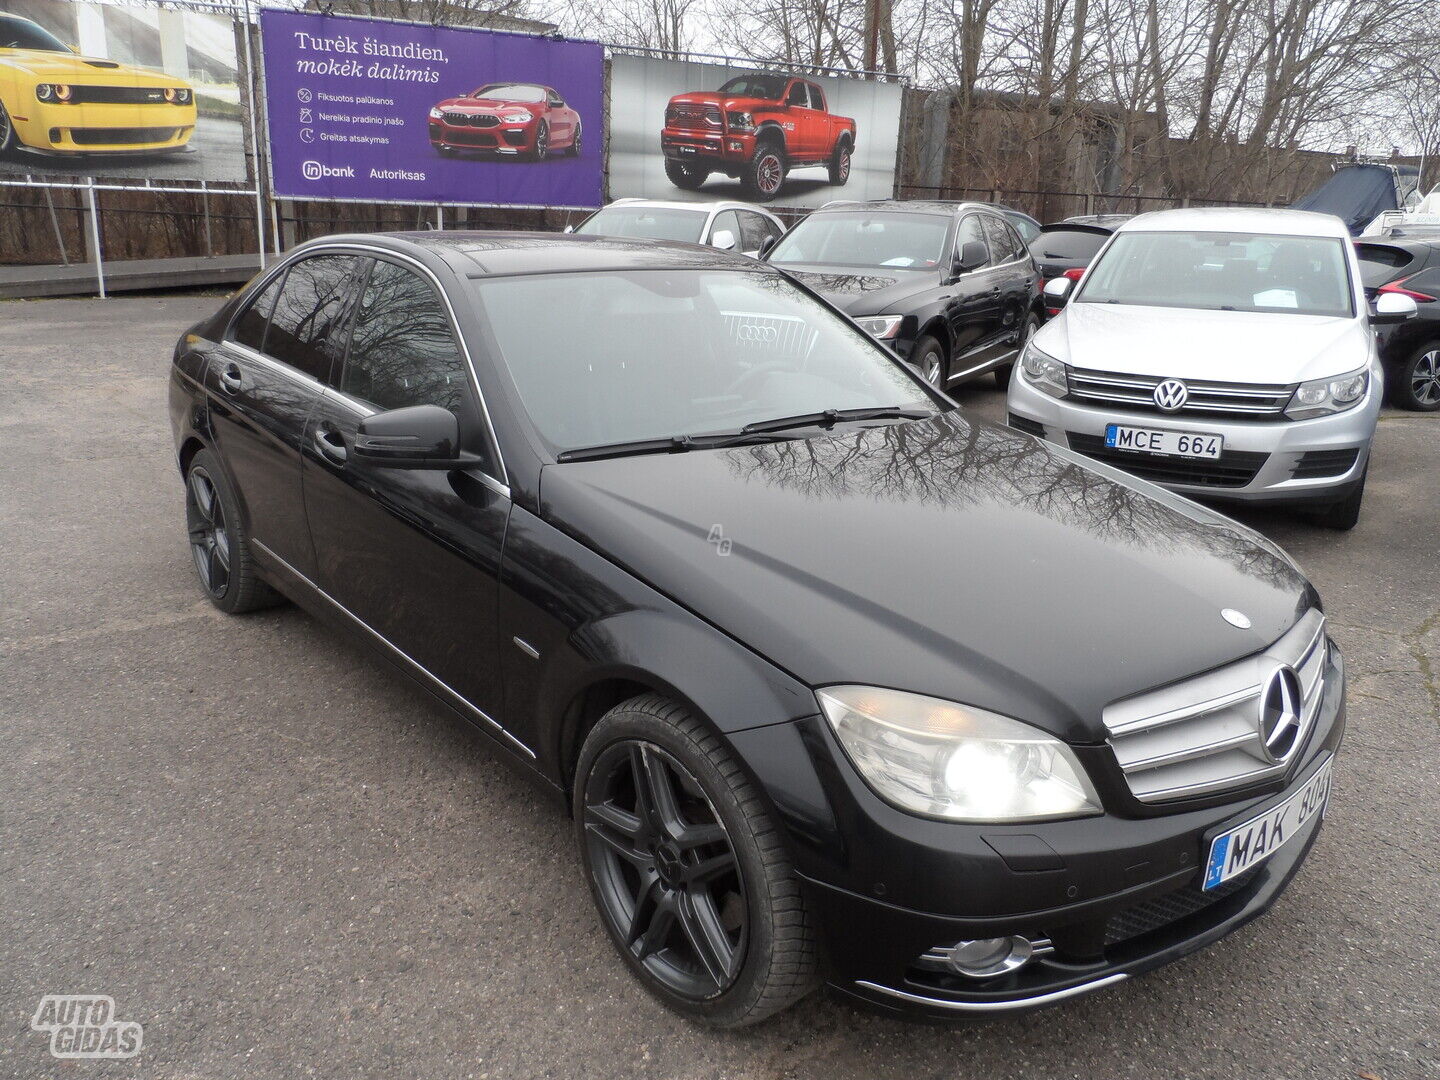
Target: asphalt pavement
283,861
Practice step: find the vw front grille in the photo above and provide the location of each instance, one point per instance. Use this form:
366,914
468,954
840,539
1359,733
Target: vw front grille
1203,735
1262,401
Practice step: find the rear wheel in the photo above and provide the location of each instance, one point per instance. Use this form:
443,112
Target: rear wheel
1345,514
687,868
689,177
764,174
1417,383
840,164
219,545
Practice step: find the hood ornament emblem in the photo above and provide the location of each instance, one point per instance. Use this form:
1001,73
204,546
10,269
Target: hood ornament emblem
1171,395
1237,619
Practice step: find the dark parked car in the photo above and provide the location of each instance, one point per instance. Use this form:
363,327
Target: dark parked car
1024,224
1066,248
1410,350
647,567
949,286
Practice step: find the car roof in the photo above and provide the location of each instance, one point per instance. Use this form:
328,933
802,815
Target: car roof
911,206
681,204
1230,219
481,254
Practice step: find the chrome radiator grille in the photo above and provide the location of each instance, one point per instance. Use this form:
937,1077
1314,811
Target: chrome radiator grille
1203,735
1261,400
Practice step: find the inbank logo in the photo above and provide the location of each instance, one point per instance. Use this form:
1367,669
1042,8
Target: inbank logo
313,170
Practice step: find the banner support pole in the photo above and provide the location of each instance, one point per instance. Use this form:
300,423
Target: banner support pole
255,113
95,236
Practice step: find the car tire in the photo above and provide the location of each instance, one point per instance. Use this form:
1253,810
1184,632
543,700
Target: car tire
687,177
8,139
541,149
930,361
573,150
763,177
1004,371
1417,381
840,164
660,801
219,544
1345,514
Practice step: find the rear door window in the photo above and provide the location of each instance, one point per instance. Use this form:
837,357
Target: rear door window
1381,264
249,328
309,321
1004,246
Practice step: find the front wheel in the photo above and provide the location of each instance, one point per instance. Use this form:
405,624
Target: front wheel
764,174
541,149
685,176
8,139
219,544
573,150
929,358
687,868
1417,382
1004,371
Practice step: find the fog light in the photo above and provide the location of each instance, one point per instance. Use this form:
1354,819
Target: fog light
987,957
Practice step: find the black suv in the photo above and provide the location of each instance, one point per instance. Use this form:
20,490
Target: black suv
1410,350
950,286
698,556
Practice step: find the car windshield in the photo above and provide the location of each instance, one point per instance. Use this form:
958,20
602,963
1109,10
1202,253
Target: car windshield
1299,275
657,223
658,354
765,87
24,34
512,92
895,240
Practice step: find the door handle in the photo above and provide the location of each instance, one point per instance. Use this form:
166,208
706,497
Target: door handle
231,378
331,444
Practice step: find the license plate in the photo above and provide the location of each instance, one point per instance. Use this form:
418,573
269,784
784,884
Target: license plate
1250,844
1170,443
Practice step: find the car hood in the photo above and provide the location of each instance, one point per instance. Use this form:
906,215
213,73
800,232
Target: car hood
1238,346
488,104
947,557
89,70
710,97
873,292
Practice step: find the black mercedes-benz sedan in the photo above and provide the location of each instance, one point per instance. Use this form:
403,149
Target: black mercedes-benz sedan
837,684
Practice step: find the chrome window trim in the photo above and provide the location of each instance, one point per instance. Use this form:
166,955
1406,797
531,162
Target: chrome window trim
996,1006
277,366
503,480
401,653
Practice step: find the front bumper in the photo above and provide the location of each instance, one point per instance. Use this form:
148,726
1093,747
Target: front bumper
1264,460
718,148
1117,894
500,139
104,129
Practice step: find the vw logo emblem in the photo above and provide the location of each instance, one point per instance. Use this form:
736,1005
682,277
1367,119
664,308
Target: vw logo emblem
1280,714
1171,395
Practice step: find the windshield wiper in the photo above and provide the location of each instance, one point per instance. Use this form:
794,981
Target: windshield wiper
760,430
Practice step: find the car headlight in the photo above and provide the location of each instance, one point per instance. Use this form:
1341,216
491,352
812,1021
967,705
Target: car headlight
740,121
1044,372
1320,397
943,760
44,91
521,117
435,113
883,327
182,95
63,92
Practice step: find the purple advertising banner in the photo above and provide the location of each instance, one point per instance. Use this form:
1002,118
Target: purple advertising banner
404,112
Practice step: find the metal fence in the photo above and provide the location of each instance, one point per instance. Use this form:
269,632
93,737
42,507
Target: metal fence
1049,206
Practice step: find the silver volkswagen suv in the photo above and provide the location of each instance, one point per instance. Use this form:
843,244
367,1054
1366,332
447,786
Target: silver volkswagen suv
1219,352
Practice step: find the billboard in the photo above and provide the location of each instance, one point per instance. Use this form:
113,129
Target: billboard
383,111
134,90
686,130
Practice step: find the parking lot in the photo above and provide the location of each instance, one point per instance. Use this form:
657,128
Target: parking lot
283,861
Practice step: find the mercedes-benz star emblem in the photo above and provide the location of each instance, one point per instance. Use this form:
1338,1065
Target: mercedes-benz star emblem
1280,714
1171,395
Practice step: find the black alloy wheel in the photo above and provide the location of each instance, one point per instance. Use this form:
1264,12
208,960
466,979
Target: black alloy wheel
574,148
219,545
690,874
8,138
685,176
542,142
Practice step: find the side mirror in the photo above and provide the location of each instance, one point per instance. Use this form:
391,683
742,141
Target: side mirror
1393,308
768,244
569,228
415,437
723,239
1057,291
973,255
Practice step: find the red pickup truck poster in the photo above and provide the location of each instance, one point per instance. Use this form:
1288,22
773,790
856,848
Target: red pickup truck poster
691,131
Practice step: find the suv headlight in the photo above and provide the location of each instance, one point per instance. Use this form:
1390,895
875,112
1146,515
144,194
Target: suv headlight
1044,372
1322,396
883,327
740,121
955,762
